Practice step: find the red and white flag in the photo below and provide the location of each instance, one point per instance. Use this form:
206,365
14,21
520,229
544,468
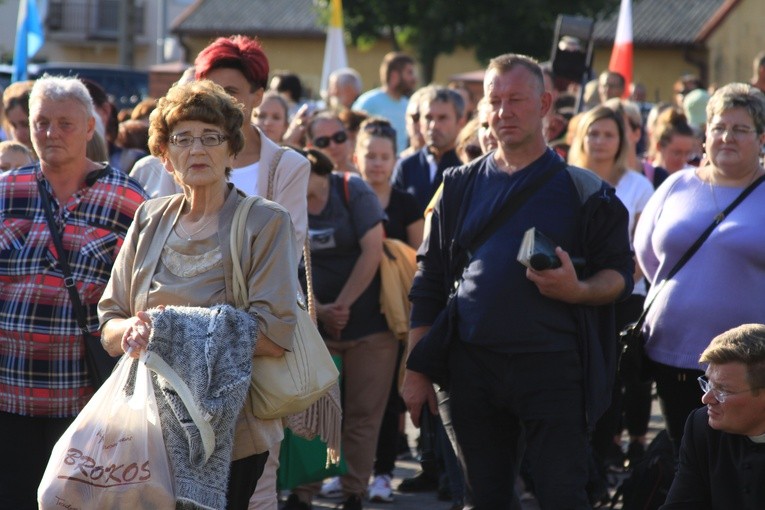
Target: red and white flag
621,55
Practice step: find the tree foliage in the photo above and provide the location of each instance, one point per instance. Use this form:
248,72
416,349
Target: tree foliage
489,27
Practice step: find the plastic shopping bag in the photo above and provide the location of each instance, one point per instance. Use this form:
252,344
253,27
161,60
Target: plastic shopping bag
113,455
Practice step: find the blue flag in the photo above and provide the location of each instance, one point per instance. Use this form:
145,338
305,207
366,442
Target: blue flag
29,38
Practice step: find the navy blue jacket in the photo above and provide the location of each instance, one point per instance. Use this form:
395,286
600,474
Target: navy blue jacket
412,175
602,241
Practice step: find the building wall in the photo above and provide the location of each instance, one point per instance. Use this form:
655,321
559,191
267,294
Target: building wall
74,48
733,46
656,68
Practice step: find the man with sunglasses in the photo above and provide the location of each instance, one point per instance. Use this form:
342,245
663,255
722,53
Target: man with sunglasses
722,457
441,116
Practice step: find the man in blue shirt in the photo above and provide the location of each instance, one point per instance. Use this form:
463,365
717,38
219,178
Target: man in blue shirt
398,80
531,354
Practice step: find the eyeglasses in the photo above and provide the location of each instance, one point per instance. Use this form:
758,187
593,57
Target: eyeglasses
719,395
322,142
737,131
207,139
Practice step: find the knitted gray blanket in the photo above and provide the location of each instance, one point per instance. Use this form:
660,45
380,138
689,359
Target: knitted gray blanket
211,350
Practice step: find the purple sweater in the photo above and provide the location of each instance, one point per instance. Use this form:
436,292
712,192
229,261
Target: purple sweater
721,286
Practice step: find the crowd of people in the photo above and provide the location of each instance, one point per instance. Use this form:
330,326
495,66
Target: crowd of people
509,368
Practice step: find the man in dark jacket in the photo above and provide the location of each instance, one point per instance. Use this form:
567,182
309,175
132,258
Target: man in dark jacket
442,115
722,457
531,359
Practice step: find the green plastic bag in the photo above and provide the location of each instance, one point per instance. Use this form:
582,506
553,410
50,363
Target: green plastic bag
302,461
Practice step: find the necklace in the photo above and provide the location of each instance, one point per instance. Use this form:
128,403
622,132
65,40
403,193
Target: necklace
189,236
712,185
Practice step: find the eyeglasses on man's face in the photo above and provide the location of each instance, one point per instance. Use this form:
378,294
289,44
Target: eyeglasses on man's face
207,139
322,142
719,395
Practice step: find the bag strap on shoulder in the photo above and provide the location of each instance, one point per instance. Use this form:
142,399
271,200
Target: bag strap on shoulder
71,287
460,257
311,304
696,245
238,226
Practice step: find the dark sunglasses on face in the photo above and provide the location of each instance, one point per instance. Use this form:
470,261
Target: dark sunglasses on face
322,142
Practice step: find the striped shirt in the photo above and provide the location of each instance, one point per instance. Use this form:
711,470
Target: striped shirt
42,366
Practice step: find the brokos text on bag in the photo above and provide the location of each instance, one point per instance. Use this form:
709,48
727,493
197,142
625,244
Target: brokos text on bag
113,455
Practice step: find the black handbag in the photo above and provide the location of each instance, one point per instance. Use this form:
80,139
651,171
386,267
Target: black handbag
98,362
633,362
430,356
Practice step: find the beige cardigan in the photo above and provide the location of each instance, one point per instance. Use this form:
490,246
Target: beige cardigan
272,282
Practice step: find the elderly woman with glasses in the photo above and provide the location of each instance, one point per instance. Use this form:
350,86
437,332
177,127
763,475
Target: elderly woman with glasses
721,285
327,133
177,254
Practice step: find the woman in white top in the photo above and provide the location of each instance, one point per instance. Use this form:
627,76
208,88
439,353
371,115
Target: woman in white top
239,65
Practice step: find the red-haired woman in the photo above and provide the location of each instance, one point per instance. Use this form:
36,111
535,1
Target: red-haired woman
239,65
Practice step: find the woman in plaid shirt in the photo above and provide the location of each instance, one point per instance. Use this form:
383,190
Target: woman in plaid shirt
43,377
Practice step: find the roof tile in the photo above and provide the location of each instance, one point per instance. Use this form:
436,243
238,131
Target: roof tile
661,22
255,17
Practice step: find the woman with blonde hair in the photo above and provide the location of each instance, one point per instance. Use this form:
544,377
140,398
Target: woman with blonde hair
272,116
602,144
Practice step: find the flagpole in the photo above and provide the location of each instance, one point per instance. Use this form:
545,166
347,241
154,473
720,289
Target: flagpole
622,53
29,38
334,51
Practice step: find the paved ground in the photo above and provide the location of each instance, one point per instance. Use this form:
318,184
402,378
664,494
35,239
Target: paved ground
428,501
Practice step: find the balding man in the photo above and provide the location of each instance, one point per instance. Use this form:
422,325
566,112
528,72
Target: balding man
343,88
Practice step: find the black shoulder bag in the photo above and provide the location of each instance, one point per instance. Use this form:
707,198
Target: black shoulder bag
98,362
632,366
431,354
